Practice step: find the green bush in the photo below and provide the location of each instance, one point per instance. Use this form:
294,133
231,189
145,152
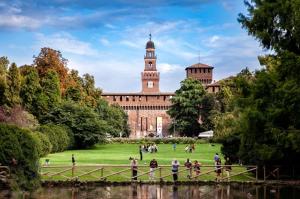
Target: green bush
18,150
57,135
44,145
178,140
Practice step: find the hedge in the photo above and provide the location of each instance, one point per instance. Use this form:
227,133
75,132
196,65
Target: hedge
44,146
58,136
178,140
18,150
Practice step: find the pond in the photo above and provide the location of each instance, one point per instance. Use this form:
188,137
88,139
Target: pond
234,191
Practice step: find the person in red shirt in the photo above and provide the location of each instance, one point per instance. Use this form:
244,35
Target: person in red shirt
188,165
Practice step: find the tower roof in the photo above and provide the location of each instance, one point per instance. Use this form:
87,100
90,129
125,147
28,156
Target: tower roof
199,65
150,43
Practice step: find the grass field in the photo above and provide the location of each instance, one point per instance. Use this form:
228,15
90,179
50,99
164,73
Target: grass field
120,153
87,162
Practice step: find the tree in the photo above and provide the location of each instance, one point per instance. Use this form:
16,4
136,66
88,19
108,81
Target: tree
4,62
30,89
49,59
84,123
268,107
13,85
51,88
115,117
186,107
275,23
92,93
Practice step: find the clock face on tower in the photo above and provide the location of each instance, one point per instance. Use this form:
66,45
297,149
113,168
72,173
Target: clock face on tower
150,84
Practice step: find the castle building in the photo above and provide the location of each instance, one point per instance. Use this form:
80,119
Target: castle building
147,110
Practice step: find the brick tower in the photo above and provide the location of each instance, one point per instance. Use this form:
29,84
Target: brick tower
150,75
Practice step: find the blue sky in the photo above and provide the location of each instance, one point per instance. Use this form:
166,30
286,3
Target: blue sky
107,38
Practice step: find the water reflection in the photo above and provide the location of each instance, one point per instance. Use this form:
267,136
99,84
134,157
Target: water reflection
136,191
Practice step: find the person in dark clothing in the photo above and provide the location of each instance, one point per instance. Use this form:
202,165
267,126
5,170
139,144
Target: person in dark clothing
73,160
153,166
141,152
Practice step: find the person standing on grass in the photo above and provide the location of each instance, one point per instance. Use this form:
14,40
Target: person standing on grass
188,166
73,160
174,146
134,168
218,169
141,152
175,166
153,166
197,168
228,168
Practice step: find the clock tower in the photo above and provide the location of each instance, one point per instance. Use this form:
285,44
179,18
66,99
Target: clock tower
150,75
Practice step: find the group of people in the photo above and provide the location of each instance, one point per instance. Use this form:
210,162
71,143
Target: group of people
192,166
189,165
151,148
218,167
190,148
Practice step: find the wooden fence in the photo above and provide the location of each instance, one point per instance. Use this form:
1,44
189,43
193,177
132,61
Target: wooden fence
119,173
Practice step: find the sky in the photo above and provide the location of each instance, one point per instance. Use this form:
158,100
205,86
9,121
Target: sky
107,38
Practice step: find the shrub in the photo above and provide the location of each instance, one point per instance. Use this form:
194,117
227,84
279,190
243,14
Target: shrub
18,151
178,140
57,135
44,145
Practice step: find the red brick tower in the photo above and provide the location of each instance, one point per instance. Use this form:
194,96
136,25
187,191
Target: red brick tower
150,75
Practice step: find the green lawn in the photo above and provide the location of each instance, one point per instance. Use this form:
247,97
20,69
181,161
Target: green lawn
118,154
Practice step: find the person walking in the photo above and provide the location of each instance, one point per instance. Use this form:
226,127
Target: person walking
218,169
174,146
188,166
153,166
134,168
175,166
73,160
228,168
141,152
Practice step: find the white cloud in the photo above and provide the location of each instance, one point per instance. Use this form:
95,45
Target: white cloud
65,42
130,44
104,42
167,68
18,21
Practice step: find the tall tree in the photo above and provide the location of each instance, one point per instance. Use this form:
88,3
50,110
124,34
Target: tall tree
30,89
51,88
13,85
186,107
4,62
49,59
275,23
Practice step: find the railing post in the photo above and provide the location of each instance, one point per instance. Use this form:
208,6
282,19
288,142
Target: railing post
256,172
160,173
264,173
73,169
